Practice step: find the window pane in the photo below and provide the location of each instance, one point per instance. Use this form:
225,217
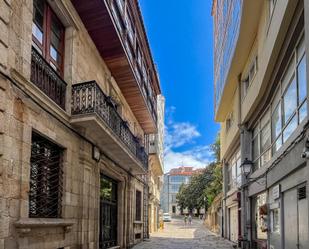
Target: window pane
290,101
288,74
55,55
234,176
265,119
289,129
265,137
265,157
302,82
277,144
238,169
300,49
303,112
37,33
256,151
38,13
276,122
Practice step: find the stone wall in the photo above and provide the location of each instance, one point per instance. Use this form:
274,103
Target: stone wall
24,109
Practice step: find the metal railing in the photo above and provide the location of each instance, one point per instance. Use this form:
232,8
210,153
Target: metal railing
88,98
47,79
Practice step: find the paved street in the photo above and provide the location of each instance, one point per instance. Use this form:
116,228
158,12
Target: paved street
176,236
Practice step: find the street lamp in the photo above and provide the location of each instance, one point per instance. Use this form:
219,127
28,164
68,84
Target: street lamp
246,167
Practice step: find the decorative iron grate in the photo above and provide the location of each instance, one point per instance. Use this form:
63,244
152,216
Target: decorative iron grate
88,98
45,178
47,79
302,193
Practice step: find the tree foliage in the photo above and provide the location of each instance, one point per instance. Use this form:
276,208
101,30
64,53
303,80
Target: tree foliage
203,187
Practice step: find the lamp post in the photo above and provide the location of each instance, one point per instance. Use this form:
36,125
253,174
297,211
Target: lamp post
246,168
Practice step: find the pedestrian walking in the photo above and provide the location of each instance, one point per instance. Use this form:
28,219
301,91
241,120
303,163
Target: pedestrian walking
190,219
185,219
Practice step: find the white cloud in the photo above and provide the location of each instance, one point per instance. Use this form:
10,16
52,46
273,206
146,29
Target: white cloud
178,135
175,159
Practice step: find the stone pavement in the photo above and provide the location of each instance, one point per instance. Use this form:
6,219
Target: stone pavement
176,236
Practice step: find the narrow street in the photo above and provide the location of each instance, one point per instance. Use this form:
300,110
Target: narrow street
176,236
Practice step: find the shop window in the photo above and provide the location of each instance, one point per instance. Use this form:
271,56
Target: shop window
138,205
48,35
261,214
46,186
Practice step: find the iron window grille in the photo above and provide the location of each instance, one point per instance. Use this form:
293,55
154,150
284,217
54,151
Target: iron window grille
138,206
46,183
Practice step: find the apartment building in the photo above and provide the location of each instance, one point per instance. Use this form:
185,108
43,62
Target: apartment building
171,184
156,167
260,76
78,90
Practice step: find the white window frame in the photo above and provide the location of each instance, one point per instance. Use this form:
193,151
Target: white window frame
277,101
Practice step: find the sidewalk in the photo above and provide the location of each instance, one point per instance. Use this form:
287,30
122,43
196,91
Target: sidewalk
177,236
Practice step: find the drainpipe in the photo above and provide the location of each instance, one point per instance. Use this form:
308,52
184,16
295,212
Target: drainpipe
245,149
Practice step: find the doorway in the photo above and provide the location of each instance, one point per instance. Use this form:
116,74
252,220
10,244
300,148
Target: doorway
295,215
108,212
174,209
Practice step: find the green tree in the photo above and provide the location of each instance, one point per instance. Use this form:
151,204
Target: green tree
206,185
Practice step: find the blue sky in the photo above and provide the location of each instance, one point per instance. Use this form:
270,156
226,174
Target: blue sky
180,36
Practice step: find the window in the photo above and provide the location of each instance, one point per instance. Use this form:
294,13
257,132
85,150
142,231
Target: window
229,121
290,105
174,188
234,171
45,178
261,142
48,35
138,205
250,75
130,28
286,111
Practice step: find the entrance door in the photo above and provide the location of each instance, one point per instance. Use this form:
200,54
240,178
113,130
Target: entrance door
108,213
295,218
174,209
233,224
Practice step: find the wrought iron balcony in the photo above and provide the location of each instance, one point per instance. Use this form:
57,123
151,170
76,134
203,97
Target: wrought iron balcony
116,27
89,99
47,79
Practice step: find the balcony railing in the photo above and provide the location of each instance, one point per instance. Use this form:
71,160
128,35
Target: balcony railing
88,98
47,79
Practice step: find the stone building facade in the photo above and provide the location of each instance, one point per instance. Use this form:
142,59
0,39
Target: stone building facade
156,168
261,85
213,219
78,94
